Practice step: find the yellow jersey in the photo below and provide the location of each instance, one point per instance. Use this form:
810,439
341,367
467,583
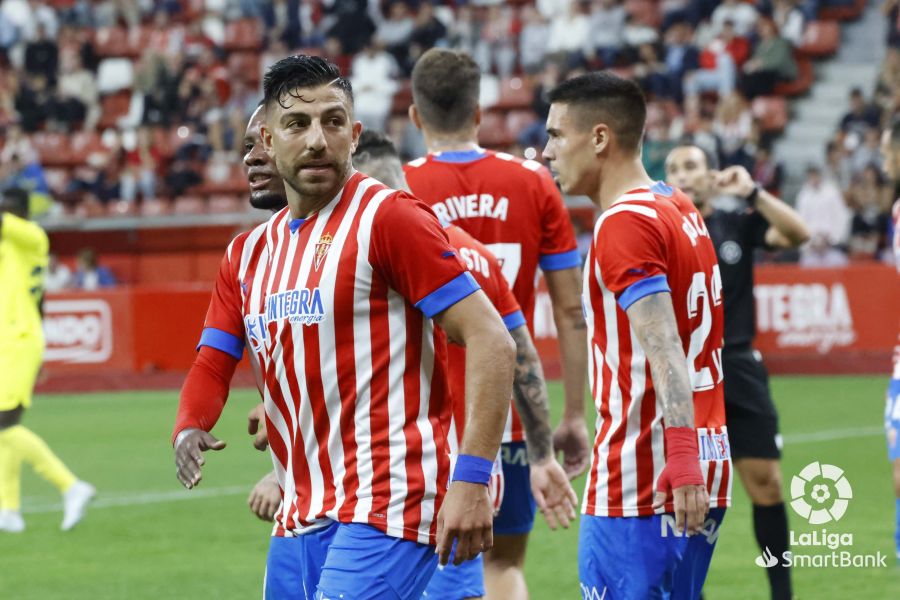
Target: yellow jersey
24,247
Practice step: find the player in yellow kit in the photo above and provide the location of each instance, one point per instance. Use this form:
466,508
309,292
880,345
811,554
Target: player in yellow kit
23,260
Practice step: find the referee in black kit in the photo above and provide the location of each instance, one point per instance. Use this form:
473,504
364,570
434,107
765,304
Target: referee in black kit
752,422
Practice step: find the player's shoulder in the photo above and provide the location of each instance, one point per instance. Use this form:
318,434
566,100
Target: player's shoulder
639,205
505,164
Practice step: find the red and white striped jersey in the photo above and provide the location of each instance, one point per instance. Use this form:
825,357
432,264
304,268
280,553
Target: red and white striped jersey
511,206
337,311
645,243
487,272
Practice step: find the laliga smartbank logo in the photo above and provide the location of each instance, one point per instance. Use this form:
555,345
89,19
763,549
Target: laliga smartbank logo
820,494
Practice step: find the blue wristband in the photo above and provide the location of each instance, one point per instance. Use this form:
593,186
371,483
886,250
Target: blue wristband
472,469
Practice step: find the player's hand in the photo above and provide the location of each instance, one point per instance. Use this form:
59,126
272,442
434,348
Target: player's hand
265,497
467,517
691,505
571,438
256,426
734,181
190,445
553,493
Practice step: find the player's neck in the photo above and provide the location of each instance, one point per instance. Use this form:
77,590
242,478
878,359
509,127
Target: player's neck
456,142
618,178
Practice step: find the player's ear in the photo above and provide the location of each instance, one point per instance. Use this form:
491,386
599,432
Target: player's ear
265,134
355,132
600,135
414,116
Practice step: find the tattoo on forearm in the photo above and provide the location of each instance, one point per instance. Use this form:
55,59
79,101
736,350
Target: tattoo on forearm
653,320
532,401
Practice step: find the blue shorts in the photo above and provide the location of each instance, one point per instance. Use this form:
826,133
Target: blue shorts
517,510
347,560
892,419
457,582
639,558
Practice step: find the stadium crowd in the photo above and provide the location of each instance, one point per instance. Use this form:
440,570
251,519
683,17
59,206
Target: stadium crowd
137,106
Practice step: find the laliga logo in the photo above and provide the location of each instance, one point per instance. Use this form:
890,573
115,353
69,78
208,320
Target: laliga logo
820,493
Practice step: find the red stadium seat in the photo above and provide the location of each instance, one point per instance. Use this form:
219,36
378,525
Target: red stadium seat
189,205
402,99
843,13
515,93
54,149
222,204
493,132
771,112
245,66
121,208
821,38
154,207
243,34
800,85
234,180
113,107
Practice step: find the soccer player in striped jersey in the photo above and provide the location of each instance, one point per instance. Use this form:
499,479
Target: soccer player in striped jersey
751,415
890,149
23,260
376,156
660,478
341,294
512,207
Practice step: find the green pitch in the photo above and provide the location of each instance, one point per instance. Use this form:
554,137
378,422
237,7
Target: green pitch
145,537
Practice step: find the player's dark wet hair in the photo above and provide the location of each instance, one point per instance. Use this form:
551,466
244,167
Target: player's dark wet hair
602,97
445,86
290,75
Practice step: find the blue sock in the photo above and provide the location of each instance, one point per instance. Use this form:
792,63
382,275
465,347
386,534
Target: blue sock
897,531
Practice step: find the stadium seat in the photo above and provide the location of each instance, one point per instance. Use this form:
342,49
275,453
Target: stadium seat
803,82
223,204
402,98
245,66
114,74
771,112
54,149
113,107
493,132
821,38
189,205
843,11
121,208
153,207
243,34
223,179
515,93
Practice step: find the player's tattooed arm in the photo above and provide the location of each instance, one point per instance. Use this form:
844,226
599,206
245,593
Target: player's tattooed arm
532,400
653,320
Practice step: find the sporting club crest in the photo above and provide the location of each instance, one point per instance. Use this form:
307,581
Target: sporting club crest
322,247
